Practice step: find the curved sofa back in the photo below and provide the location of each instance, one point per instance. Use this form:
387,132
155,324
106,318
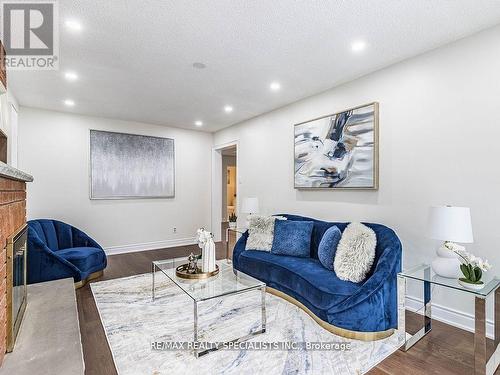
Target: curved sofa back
53,233
386,237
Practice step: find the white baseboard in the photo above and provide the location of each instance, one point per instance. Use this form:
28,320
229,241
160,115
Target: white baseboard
122,249
449,316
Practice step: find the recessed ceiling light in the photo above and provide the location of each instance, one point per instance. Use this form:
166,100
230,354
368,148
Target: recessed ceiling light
73,25
199,65
198,123
69,102
358,46
71,76
228,109
275,86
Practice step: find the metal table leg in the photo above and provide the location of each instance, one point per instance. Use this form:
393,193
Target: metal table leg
227,246
153,284
195,327
402,311
263,309
480,337
483,365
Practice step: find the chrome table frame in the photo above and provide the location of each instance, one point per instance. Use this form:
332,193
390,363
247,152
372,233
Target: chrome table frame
482,364
240,230
198,353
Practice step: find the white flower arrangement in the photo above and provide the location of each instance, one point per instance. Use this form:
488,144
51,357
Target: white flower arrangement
472,267
203,236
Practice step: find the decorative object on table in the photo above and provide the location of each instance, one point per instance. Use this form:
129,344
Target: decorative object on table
250,206
261,232
472,268
232,220
355,253
184,272
449,224
207,246
129,166
192,265
338,151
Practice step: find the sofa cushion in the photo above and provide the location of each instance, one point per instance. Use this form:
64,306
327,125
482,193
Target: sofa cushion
320,227
261,232
292,238
328,246
84,258
304,278
355,253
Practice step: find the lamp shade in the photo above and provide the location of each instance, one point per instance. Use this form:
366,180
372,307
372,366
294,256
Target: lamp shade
449,223
250,205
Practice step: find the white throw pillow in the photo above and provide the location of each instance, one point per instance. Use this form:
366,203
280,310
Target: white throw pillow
261,232
355,253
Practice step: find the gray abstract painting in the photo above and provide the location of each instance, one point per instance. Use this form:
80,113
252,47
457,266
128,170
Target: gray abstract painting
131,166
338,151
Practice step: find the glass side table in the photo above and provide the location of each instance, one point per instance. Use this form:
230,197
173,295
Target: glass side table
239,230
482,364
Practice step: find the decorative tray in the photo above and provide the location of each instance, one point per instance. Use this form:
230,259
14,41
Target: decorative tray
181,271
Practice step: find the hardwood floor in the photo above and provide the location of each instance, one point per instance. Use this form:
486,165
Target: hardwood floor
446,350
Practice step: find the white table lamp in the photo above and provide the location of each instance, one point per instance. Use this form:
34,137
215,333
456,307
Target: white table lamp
449,224
250,206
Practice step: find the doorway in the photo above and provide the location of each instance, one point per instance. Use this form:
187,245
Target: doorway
229,187
224,188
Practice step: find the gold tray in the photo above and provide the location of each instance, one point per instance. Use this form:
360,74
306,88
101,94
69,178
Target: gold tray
181,271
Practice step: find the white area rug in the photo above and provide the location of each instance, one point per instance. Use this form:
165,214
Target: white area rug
132,322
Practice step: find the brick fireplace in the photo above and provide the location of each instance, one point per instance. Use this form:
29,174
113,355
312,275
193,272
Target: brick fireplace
12,218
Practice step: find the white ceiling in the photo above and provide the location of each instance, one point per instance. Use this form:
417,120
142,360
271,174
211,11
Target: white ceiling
134,58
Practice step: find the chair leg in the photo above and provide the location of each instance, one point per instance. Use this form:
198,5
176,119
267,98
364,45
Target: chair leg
92,276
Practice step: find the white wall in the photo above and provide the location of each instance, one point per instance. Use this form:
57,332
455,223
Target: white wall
439,134
9,125
54,148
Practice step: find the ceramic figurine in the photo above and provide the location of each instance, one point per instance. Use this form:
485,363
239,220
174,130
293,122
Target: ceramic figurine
192,263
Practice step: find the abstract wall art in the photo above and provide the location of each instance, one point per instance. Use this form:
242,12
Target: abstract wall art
338,151
131,166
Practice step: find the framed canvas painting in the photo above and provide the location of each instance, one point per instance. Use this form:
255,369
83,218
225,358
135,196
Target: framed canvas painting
128,166
338,151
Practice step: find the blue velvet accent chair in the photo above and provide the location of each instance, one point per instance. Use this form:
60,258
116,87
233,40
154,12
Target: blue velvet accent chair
57,250
366,310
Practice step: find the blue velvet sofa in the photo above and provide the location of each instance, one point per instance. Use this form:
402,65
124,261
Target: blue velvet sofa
57,250
365,310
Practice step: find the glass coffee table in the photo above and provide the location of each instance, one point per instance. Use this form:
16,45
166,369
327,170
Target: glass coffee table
226,283
424,273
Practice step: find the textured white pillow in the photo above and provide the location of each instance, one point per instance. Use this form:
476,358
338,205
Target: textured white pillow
261,232
355,253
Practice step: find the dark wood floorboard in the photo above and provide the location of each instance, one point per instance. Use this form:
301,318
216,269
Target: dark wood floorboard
446,350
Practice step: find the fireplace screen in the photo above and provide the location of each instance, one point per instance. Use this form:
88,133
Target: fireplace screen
16,283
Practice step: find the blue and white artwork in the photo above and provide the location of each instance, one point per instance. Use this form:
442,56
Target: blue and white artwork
130,166
338,151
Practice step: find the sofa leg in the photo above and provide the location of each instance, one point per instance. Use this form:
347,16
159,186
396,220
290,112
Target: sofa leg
92,276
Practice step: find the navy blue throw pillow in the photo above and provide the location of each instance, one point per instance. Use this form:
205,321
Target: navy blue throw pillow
328,246
292,238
